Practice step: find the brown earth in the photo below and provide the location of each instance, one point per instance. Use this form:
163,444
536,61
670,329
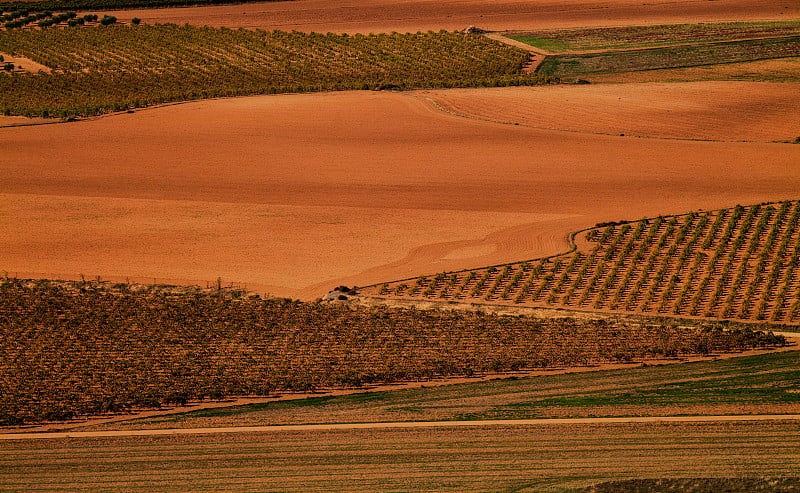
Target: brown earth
725,111
354,16
294,194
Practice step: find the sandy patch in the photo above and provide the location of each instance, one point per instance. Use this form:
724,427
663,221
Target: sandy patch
421,15
18,121
25,64
726,111
302,192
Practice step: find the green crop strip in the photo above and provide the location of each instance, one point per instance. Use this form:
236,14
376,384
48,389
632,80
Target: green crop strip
671,57
651,36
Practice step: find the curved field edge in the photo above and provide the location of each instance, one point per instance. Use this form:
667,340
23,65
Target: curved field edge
96,70
739,263
71,349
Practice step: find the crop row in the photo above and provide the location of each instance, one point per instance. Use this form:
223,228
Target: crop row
113,68
671,56
70,352
607,38
740,263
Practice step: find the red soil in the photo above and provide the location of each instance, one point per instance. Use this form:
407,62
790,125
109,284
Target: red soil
726,111
421,15
294,194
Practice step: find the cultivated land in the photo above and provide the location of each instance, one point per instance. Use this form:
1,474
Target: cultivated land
325,174
295,194
76,350
735,263
371,16
521,458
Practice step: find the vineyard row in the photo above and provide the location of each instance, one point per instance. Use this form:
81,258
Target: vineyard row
739,263
112,68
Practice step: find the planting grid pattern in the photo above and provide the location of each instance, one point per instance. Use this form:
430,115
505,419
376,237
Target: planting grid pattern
736,263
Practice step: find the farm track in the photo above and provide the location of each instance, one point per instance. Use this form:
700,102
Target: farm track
402,424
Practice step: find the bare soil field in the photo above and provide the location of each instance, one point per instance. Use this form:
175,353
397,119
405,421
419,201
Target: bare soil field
357,16
294,194
725,111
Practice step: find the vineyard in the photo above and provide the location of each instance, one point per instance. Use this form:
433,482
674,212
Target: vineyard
111,68
76,349
738,263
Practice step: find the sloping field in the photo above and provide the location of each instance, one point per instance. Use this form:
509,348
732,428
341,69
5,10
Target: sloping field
366,16
518,458
298,193
734,263
726,111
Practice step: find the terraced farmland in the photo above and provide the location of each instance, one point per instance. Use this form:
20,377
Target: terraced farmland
736,263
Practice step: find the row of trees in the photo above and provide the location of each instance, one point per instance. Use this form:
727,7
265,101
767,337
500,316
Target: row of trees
71,351
733,263
96,70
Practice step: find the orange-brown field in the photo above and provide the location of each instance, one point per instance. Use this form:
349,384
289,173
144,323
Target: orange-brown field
293,194
359,16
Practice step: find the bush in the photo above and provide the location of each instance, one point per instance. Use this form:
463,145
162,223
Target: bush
107,20
136,21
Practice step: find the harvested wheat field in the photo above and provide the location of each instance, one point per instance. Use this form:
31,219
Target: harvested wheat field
357,16
292,194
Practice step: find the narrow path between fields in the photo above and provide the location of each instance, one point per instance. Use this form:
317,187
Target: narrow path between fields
400,424
537,55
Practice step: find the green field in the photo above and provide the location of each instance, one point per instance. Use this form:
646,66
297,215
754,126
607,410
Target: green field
670,57
502,458
102,69
618,38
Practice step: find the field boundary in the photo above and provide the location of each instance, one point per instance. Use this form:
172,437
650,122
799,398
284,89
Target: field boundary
401,424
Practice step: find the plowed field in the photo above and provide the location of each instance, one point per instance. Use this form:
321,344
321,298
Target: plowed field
415,15
293,194
727,111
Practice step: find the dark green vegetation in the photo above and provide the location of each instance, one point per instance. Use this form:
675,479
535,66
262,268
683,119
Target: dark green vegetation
512,458
85,351
649,36
102,69
699,485
670,57
739,263
744,385
38,5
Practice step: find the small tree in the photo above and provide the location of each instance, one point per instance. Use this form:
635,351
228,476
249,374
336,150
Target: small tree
136,21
